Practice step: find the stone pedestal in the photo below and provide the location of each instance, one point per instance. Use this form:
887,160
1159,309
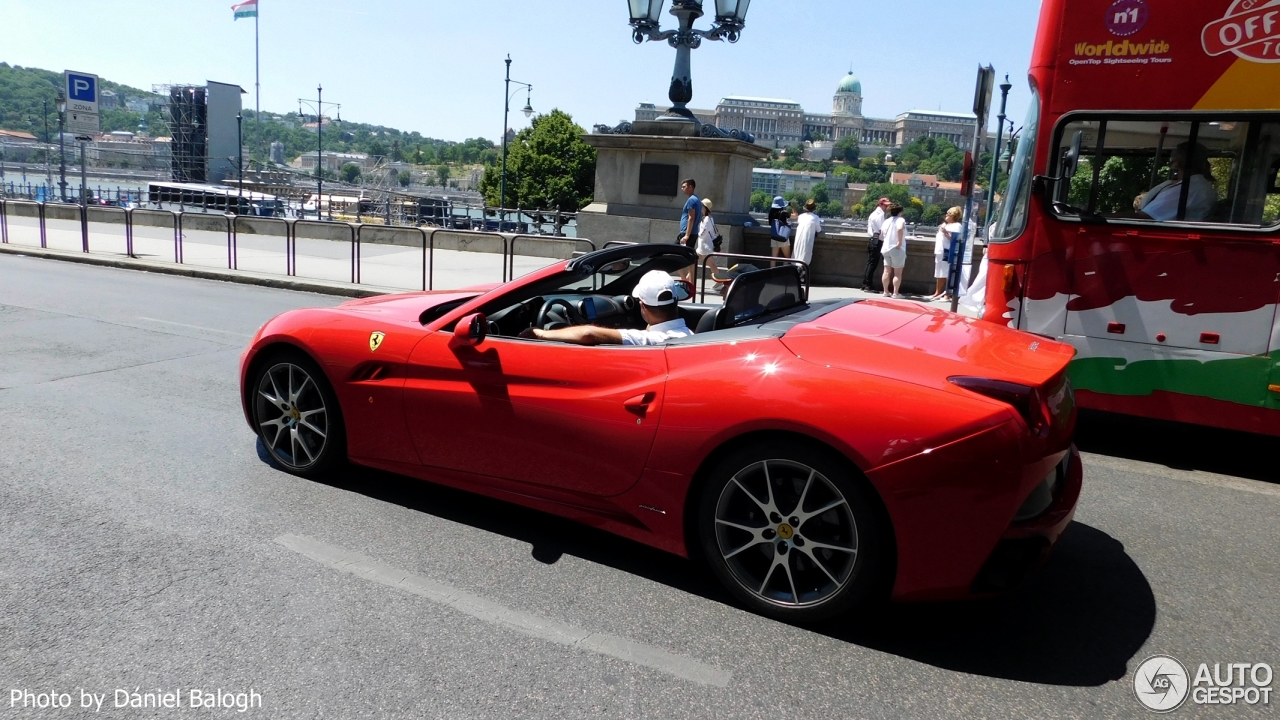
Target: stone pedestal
634,209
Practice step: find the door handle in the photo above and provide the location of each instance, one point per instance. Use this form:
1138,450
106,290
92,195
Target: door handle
640,401
639,404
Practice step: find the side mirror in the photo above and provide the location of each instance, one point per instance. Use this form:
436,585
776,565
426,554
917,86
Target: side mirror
684,290
470,330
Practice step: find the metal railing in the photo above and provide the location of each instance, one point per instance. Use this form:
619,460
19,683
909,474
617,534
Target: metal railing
804,269
235,225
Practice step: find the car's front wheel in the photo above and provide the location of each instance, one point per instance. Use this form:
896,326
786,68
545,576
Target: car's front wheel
297,416
791,532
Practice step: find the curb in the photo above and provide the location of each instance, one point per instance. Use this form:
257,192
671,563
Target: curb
232,276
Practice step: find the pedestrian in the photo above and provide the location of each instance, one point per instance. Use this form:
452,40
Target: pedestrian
808,225
779,228
875,225
894,250
708,239
943,247
691,215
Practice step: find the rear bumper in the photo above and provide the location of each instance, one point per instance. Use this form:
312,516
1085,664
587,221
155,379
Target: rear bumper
1026,544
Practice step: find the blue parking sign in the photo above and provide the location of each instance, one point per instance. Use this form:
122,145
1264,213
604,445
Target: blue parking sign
82,88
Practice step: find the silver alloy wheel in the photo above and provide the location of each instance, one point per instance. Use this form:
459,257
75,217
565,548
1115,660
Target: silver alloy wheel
291,415
786,533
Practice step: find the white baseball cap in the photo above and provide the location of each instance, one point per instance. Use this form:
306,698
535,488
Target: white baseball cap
656,288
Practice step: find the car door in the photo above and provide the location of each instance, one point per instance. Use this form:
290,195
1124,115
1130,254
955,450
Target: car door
566,416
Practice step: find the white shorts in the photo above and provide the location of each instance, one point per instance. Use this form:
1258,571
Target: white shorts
779,243
896,258
941,268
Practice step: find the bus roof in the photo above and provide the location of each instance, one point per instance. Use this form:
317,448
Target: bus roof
1160,55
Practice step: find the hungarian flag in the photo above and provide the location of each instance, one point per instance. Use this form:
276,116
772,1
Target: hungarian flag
248,9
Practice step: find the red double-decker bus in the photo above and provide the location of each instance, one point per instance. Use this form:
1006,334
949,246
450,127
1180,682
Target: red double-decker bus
1142,220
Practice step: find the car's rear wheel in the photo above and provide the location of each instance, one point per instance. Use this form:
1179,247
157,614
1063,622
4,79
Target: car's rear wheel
296,414
792,532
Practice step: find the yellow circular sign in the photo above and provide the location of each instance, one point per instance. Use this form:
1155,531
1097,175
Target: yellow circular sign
785,531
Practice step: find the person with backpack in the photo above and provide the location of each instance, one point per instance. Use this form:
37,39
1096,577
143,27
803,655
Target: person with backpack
780,228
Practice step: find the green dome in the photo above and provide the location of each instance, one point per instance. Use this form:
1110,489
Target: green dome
850,84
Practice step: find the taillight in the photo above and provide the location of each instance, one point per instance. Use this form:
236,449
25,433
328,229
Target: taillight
1022,398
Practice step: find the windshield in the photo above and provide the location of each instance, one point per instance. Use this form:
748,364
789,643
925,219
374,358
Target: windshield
1013,216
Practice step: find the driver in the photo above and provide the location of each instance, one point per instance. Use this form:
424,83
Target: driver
657,295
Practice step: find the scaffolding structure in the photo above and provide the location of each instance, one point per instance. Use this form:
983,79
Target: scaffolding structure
189,128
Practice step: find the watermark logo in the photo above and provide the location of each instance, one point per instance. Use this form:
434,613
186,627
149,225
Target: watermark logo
1127,17
1250,29
1161,683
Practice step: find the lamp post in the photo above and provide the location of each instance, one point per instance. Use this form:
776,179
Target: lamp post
731,16
506,109
62,150
319,106
239,161
996,157
48,165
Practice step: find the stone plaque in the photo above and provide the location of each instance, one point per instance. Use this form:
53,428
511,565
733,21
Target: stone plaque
658,179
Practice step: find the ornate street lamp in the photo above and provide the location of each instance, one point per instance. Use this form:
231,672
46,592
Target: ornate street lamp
730,18
506,110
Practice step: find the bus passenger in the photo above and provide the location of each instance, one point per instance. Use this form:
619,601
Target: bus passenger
1161,202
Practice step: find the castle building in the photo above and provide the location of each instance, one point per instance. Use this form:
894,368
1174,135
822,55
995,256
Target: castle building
778,122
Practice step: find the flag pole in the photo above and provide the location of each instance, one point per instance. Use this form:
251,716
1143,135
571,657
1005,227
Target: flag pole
257,85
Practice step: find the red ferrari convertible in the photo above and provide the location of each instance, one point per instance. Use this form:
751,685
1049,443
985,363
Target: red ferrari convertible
814,454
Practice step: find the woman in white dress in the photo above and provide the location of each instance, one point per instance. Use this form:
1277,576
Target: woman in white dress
941,247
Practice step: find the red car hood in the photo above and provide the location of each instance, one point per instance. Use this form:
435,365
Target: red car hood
923,345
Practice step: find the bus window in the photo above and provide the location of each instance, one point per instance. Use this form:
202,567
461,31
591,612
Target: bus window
1013,216
1151,169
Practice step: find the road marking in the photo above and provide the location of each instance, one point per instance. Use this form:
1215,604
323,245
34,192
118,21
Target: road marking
491,612
195,327
1196,476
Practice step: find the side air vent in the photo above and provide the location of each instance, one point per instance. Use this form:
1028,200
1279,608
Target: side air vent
370,372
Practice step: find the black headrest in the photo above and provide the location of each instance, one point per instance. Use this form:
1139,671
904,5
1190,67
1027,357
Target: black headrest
754,294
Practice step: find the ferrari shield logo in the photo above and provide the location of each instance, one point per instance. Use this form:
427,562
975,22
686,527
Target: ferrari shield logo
375,340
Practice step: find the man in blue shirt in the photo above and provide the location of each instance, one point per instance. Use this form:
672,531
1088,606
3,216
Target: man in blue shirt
691,216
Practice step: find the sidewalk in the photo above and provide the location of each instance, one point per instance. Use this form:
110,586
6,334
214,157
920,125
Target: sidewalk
323,266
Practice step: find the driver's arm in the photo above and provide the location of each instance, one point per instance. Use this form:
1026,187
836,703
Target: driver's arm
578,335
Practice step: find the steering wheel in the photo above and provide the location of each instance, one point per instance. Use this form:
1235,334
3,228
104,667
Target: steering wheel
549,317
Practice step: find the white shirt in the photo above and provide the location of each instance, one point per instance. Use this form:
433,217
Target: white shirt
875,223
656,334
894,234
707,236
807,227
1161,202
942,240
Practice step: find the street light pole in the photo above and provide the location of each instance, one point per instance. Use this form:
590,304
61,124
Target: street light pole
506,109
62,149
995,157
240,160
731,16
48,164
319,104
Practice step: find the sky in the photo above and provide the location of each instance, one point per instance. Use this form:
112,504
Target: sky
437,67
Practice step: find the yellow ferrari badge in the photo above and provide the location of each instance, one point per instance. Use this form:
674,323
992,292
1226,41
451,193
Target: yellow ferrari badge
375,340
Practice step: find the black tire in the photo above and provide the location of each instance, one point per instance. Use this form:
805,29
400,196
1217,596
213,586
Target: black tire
790,562
296,415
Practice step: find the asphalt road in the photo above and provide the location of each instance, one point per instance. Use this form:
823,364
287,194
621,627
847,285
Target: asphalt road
146,544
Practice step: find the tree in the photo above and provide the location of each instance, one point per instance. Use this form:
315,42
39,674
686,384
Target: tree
831,208
846,149
442,176
350,172
819,193
548,166
405,178
760,201
932,215
858,210
896,193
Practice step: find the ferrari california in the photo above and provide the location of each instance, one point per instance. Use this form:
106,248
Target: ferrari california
814,454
